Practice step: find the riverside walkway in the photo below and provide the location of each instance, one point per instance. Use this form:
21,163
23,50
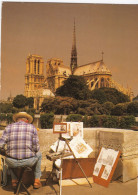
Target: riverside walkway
114,188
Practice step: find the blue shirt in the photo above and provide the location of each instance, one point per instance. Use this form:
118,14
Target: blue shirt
21,139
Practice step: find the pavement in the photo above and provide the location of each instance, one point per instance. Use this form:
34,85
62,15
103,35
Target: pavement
114,188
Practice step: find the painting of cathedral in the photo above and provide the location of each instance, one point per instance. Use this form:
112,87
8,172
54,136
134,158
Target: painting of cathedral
39,86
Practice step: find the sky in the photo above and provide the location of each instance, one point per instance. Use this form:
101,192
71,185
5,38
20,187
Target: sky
46,29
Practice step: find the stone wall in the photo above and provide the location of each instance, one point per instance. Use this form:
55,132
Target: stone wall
117,139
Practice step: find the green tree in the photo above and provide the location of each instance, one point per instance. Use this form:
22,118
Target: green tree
48,105
30,102
20,101
59,105
108,106
119,109
98,95
133,108
110,95
6,108
74,86
47,120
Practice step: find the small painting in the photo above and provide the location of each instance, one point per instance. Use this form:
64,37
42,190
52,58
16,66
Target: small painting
60,128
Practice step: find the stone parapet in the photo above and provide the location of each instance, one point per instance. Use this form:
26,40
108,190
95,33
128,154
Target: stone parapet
117,139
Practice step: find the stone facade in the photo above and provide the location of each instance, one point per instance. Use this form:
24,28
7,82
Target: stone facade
56,73
34,76
35,85
96,74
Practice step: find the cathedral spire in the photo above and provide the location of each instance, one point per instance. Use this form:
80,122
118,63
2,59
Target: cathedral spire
73,63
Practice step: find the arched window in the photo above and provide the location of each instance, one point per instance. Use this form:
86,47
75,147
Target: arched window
91,84
35,66
96,86
107,82
29,66
102,82
38,66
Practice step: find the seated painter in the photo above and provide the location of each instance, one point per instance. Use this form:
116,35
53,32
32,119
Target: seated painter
22,146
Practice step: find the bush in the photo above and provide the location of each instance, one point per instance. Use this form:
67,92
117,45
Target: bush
109,121
119,110
9,118
94,121
6,117
46,120
108,106
3,117
74,117
126,122
85,121
6,107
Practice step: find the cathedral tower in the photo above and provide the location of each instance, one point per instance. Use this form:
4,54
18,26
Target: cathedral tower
73,64
34,76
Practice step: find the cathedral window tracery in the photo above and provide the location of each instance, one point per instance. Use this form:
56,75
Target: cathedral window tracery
38,66
102,82
35,66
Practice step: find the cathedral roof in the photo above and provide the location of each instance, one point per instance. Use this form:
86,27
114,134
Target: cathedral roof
92,68
64,70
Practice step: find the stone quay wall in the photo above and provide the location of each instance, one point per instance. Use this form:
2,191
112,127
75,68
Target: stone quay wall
117,139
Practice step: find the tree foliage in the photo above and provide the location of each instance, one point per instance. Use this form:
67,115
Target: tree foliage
74,117
108,106
6,108
110,95
74,86
133,108
30,102
47,120
20,101
59,105
123,122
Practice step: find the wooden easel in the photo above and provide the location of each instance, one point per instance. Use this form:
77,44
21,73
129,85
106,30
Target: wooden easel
61,156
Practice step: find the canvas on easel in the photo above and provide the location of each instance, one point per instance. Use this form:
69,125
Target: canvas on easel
105,166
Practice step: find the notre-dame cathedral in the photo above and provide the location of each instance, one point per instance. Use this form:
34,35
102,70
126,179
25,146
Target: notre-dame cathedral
39,86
